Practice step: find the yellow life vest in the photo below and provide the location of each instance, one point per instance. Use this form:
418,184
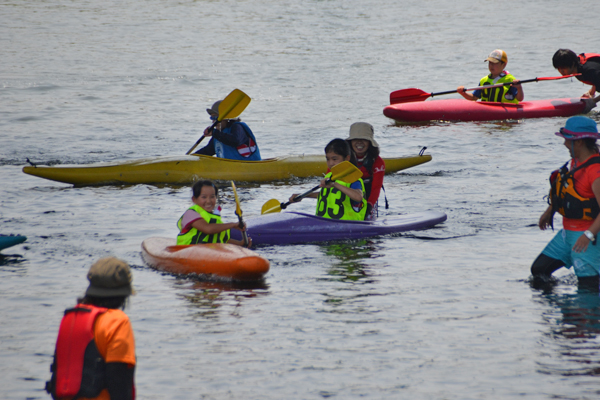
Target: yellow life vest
333,203
497,94
194,236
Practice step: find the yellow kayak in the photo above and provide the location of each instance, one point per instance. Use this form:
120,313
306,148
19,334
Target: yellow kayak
188,169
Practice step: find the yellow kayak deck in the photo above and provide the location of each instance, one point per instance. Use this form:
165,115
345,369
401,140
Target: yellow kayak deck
188,169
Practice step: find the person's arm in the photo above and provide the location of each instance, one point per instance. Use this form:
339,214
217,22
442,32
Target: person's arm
461,90
236,137
113,330
208,150
119,380
590,93
376,180
517,85
354,194
590,72
582,243
545,221
211,229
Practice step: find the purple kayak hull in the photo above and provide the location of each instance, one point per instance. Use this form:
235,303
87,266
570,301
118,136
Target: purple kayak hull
295,227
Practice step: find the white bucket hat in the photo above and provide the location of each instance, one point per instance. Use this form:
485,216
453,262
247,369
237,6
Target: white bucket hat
362,130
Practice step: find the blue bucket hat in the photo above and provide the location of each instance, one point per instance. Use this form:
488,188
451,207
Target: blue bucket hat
579,128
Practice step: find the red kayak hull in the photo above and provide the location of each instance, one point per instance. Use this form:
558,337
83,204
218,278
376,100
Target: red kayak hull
465,110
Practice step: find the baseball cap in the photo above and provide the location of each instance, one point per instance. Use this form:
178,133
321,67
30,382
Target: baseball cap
214,109
497,56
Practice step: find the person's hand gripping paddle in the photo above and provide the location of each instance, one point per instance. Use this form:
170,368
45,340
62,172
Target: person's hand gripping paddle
344,171
238,212
231,107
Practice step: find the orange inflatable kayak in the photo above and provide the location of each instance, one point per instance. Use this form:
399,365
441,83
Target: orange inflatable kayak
221,259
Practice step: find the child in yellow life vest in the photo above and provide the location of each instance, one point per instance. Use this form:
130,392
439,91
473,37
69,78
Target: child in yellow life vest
338,199
201,223
513,93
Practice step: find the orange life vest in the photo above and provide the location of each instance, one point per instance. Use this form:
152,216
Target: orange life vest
564,198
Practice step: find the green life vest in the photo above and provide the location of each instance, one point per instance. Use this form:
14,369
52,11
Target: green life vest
194,236
497,94
333,203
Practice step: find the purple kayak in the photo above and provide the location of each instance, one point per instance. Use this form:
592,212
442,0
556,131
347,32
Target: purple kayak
296,227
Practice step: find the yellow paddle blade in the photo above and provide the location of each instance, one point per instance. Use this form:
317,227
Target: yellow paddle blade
346,171
271,206
238,209
233,105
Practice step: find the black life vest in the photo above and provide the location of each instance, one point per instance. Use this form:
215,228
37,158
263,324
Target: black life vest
78,369
368,164
583,58
564,198
367,170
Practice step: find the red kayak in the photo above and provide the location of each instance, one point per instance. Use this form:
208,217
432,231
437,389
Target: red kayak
465,110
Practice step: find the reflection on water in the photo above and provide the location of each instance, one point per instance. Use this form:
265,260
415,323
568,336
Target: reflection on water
350,267
573,322
206,297
12,263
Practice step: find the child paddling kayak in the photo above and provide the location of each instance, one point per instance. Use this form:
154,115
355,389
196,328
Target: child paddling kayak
201,223
497,61
338,199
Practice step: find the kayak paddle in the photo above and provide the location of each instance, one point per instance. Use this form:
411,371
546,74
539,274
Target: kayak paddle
231,107
414,95
344,171
238,212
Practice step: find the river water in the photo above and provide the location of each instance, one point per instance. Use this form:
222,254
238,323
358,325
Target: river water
446,313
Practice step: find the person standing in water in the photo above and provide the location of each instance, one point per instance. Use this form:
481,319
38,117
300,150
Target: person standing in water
95,349
575,194
587,65
567,62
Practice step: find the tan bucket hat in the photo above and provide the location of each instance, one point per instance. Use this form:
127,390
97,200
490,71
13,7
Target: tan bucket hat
362,130
109,277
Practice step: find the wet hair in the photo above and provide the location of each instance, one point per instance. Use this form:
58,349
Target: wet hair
590,144
115,302
564,58
341,148
197,188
